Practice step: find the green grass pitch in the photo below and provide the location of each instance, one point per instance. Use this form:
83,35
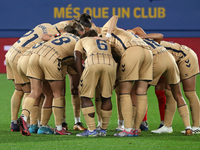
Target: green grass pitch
147,141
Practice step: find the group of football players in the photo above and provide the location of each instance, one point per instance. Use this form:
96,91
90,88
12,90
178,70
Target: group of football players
99,60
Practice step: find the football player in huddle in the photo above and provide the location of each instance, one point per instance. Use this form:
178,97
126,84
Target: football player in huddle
100,70
169,69
135,66
46,63
24,43
188,66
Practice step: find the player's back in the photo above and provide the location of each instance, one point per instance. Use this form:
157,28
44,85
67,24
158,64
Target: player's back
33,48
33,36
177,50
93,46
96,51
29,39
59,48
155,46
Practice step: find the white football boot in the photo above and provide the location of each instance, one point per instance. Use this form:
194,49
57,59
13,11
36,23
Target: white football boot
163,129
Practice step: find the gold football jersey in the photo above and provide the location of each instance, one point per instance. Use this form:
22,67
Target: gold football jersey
177,50
29,39
96,51
61,48
121,39
155,46
30,51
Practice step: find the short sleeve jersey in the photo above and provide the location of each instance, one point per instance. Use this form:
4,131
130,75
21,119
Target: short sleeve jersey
96,51
177,50
61,48
121,39
29,39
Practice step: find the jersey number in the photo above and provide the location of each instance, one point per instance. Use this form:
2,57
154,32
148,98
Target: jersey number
38,44
61,40
102,45
35,36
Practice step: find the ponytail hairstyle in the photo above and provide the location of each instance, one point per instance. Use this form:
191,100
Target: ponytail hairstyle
74,27
85,20
86,16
